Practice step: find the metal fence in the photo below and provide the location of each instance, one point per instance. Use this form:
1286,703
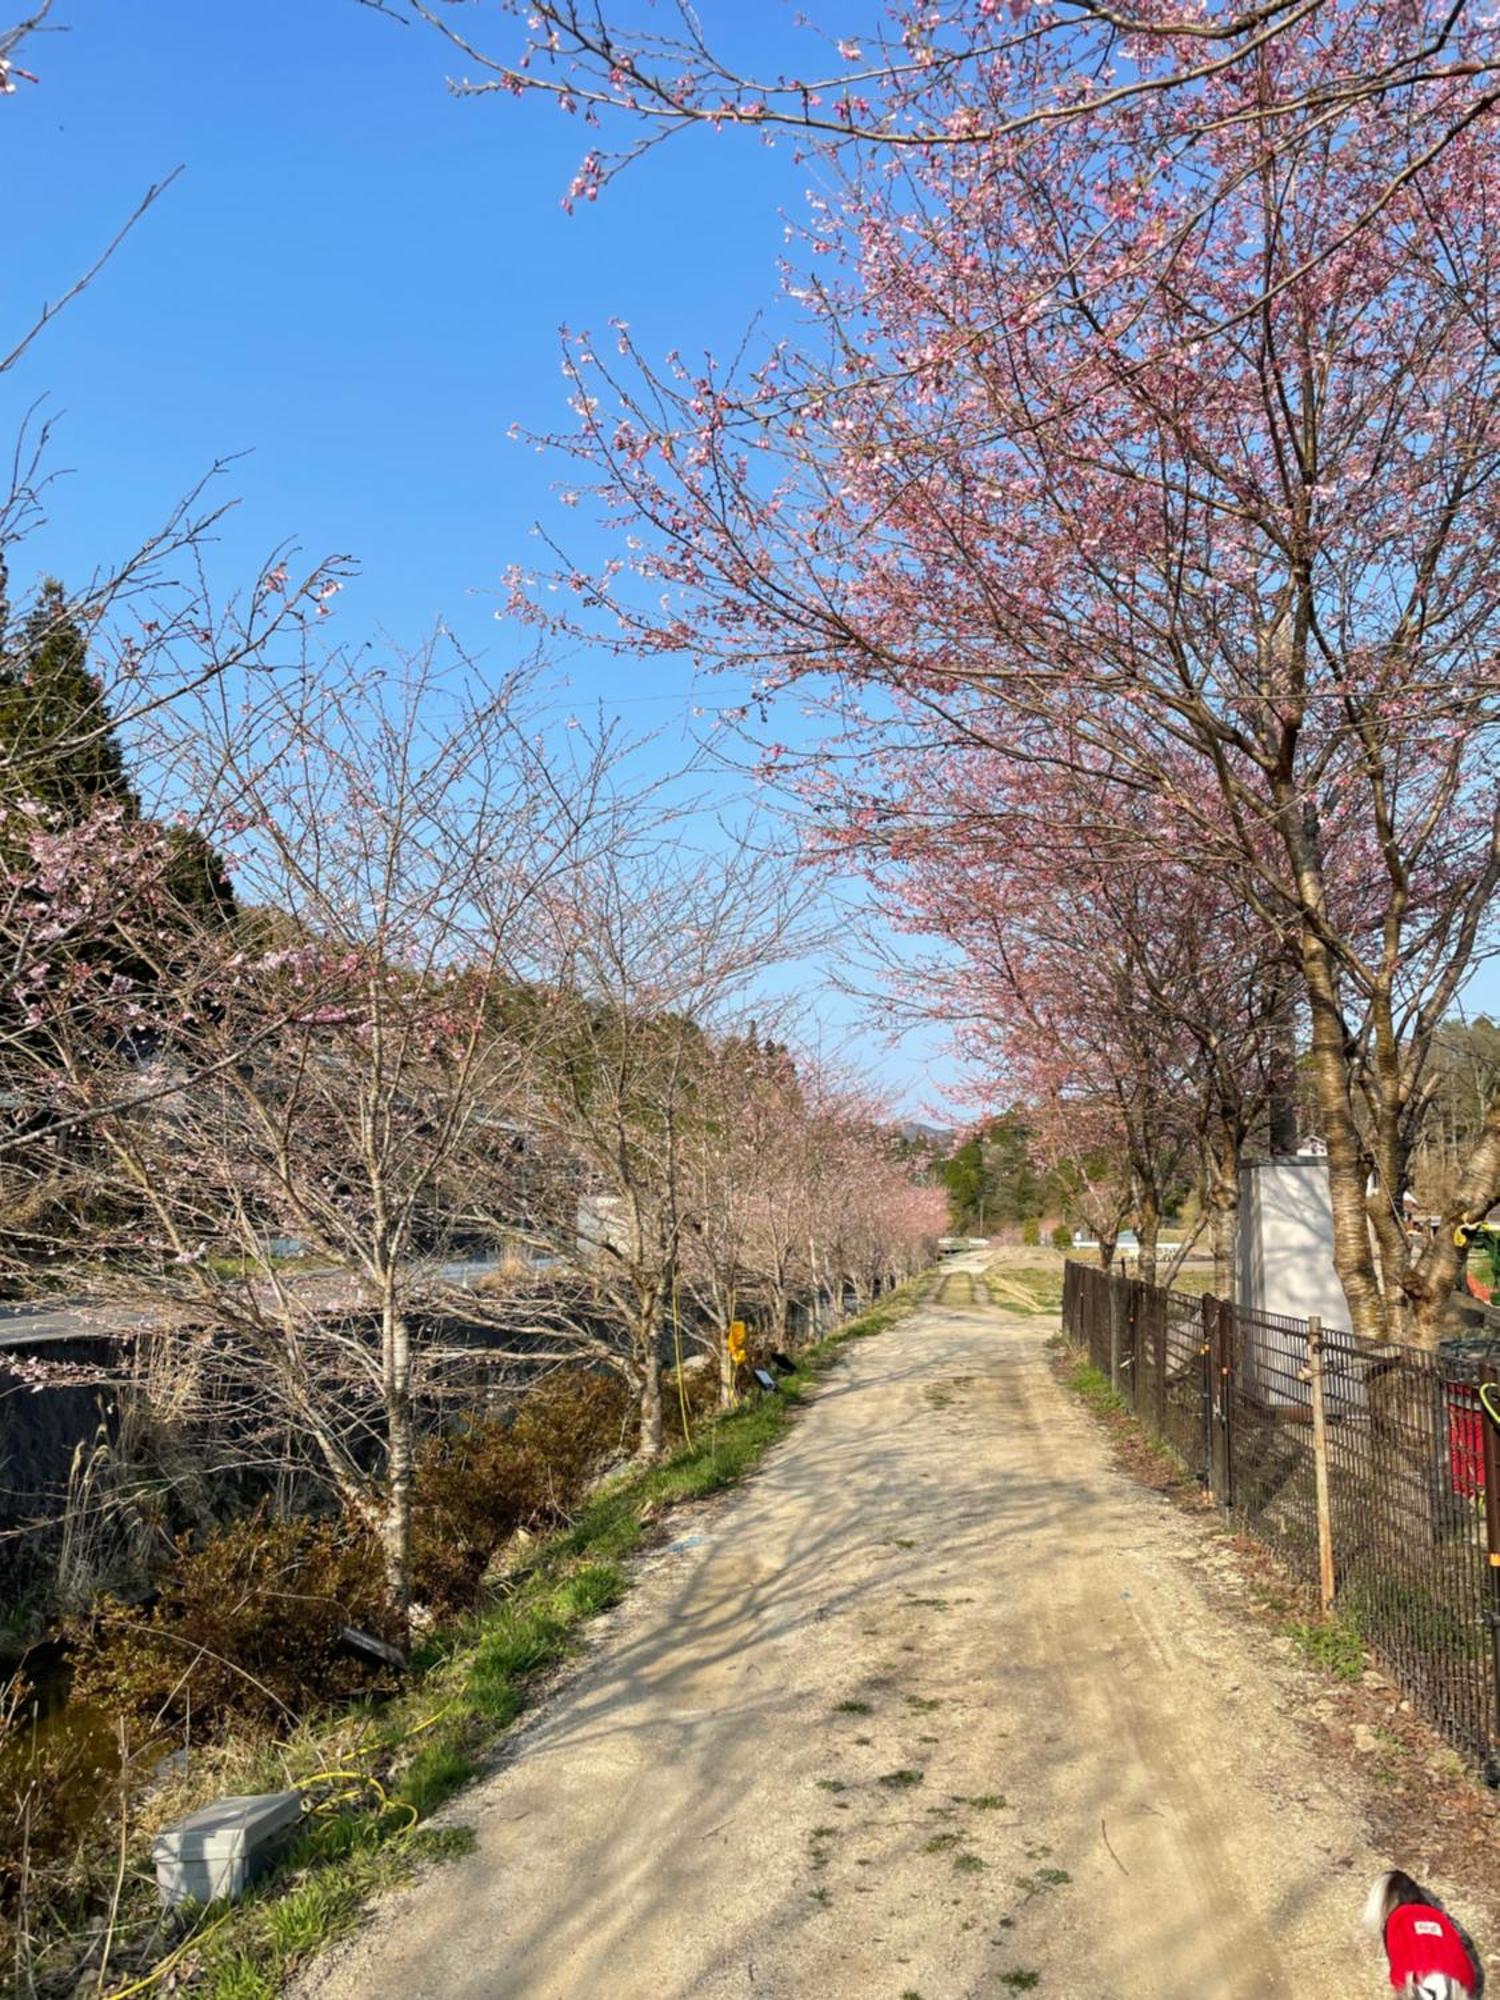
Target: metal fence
1370,1469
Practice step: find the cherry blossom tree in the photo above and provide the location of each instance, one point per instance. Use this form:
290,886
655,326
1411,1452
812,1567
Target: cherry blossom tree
1081,966
1162,452
971,76
327,1065
644,962
799,1186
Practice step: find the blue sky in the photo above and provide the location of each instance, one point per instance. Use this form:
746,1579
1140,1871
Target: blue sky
358,282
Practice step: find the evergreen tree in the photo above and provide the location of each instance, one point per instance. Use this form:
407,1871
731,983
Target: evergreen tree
57,743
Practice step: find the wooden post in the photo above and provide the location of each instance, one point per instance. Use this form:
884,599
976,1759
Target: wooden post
1320,1463
1116,1308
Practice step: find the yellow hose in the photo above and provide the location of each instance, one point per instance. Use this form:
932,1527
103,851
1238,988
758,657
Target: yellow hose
359,1781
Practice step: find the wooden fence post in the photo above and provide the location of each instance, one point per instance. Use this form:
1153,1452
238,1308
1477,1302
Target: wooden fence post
1320,1463
1116,1308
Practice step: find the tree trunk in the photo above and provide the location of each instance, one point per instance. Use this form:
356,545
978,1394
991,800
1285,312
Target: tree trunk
727,1396
1148,1233
1106,1251
1348,1163
1221,1236
395,1529
1438,1268
1281,1098
779,1304
649,1447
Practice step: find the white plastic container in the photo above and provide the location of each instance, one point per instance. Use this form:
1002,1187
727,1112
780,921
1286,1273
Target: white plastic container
218,1851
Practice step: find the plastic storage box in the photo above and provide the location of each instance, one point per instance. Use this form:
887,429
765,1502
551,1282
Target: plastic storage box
218,1851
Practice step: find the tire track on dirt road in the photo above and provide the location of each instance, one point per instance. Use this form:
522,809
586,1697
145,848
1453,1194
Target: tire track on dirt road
934,1704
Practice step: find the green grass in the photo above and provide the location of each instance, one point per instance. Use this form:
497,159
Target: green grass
854,1708
900,1781
1336,1647
1020,1981
1093,1385
1043,1879
470,1684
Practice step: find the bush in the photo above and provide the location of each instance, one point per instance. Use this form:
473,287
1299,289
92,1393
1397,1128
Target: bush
1031,1232
475,1487
244,1629
1062,1237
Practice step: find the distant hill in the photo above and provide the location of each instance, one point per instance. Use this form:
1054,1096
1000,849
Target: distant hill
939,1137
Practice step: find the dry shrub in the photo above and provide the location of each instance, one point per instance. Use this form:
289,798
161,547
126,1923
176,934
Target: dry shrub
244,1629
475,1487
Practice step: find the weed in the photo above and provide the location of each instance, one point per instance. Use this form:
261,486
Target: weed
821,1896
434,1775
968,1864
988,1802
832,1785
853,1708
1043,1879
297,1923
1335,1647
1094,1387
1020,1981
920,1705
238,1977
942,1843
900,1780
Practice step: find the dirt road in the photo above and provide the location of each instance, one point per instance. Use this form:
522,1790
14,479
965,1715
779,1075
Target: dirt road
938,1708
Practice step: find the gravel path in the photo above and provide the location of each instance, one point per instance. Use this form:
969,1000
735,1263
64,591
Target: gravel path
939,1707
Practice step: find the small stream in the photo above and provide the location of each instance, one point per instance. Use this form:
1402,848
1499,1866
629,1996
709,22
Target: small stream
70,1745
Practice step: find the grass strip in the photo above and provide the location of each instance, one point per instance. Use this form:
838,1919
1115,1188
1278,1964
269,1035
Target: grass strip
471,1682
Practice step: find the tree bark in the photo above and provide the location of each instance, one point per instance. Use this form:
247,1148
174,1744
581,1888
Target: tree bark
1348,1162
395,1531
649,1447
1148,1234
